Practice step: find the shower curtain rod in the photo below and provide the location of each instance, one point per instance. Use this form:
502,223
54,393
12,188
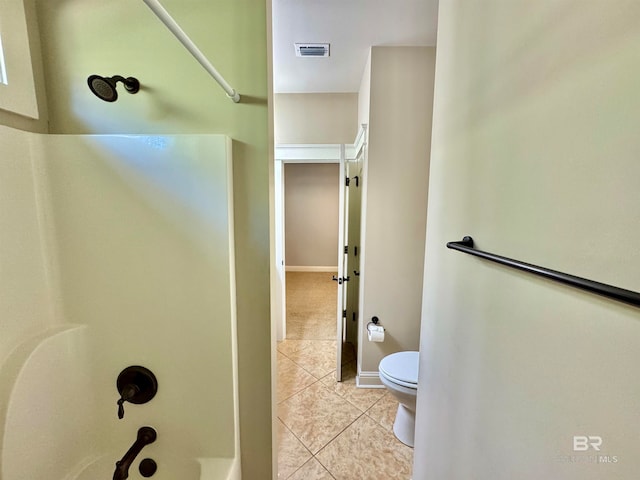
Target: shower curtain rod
171,24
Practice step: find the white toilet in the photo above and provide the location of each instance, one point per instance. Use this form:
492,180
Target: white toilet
399,373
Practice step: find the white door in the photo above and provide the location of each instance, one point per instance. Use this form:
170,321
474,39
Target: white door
352,263
280,289
342,276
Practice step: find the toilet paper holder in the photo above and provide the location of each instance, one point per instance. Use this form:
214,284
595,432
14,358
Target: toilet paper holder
375,322
375,331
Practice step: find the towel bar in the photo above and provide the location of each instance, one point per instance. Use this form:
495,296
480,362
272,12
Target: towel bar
609,291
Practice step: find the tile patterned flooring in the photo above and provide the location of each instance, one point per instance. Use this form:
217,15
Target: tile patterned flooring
330,430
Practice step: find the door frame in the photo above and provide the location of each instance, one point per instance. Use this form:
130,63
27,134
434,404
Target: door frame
311,153
291,153
343,208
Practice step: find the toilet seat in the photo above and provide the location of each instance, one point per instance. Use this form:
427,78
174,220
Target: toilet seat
401,368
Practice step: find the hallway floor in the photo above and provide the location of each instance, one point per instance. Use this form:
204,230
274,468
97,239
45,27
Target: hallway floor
326,429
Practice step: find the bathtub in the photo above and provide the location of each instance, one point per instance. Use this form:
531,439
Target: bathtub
203,469
51,432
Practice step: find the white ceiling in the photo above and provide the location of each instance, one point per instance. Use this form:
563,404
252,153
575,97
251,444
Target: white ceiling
351,27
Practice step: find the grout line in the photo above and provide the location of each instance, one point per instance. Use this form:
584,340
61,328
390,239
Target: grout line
309,373
337,435
301,442
302,367
316,380
296,470
312,458
325,467
296,393
296,437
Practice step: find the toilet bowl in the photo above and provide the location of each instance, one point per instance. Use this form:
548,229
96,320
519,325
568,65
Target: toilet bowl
399,374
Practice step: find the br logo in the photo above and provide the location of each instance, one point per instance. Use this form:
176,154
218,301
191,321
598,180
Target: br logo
582,443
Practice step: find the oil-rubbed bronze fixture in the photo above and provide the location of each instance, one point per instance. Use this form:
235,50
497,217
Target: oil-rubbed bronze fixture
609,291
146,435
105,87
136,385
148,467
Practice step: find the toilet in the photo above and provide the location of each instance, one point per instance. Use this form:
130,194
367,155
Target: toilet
399,374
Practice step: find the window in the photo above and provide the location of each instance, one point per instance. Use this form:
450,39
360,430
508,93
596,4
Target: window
19,94
3,68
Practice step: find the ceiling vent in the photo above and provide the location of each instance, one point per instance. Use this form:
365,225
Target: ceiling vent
312,49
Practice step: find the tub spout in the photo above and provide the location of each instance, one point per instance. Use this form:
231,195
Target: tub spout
146,435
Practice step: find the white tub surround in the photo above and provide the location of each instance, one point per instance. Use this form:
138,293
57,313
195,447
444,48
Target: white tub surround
137,259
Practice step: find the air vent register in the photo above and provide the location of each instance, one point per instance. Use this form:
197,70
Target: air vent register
312,49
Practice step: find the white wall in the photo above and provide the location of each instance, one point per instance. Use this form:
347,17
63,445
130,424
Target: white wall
47,388
26,293
535,155
144,246
315,117
29,315
311,214
395,199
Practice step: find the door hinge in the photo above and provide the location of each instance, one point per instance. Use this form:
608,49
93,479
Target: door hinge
346,181
346,249
344,312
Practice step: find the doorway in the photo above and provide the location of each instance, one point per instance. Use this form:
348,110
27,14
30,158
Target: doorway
311,220
312,175
343,265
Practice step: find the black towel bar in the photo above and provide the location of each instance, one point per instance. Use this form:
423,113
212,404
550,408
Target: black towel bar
609,291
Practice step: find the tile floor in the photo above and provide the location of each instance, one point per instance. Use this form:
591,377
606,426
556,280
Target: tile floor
330,430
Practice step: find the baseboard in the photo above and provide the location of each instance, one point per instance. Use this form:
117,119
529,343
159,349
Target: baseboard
369,380
303,268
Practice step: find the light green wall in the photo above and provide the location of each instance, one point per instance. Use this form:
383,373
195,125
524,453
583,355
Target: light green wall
83,37
534,154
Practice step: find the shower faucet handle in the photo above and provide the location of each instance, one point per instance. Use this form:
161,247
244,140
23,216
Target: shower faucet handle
120,409
127,393
136,385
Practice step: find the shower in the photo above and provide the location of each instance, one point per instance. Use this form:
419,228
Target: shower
105,87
